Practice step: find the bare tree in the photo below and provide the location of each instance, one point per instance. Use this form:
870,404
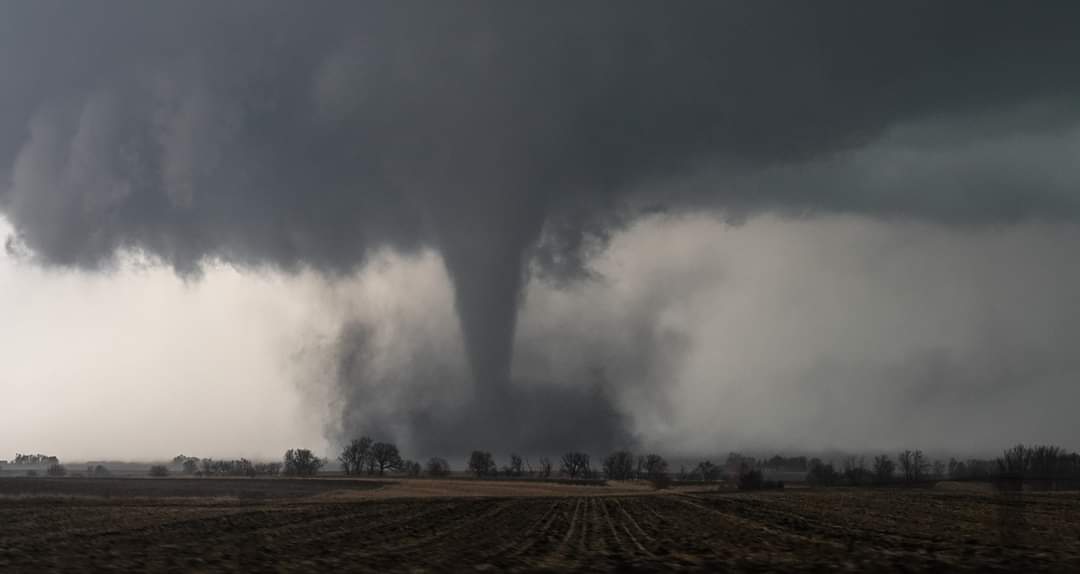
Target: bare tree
545,467
654,466
34,459
481,463
938,469
355,454
268,468
515,466
706,470
619,465
385,457
411,468
855,472
913,465
883,469
190,465
819,472
920,464
576,465
301,462
438,467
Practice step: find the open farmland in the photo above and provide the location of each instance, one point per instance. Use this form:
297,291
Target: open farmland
368,526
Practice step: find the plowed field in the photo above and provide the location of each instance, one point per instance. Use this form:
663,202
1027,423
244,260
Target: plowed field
795,530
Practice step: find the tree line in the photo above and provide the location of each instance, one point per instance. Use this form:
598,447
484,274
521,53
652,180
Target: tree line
1038,463
34,459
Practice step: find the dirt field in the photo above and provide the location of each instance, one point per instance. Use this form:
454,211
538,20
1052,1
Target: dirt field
333,525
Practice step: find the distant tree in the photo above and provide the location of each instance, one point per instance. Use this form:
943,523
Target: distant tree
481,463
98,471
956,468
159,470
736,461
56,469
411,468
619,465
787,464
855,472
438,467
245,467
884,468
821,473
355,455
386,457
545,467
1045,464
268,468
913,465
749,478
938,469
576,465
706,470
301,462
654,466
185,462
515,468
904,461
34,459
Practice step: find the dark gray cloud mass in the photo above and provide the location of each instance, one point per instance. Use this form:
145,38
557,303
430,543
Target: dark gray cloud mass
298,135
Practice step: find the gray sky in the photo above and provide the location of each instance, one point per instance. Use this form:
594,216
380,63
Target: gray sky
711,226
786,334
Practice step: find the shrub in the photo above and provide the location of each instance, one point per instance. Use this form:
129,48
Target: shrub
98,471
159,470
31,473
56,469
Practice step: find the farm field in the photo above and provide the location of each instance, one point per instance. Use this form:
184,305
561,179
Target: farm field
342,525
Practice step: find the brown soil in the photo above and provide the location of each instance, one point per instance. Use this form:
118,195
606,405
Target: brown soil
472,525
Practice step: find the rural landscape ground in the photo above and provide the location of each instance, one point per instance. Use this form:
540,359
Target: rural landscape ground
280,524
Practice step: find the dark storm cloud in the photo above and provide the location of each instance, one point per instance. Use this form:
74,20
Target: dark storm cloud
306,134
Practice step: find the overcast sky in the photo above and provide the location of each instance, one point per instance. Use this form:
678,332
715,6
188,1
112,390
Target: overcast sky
231,229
